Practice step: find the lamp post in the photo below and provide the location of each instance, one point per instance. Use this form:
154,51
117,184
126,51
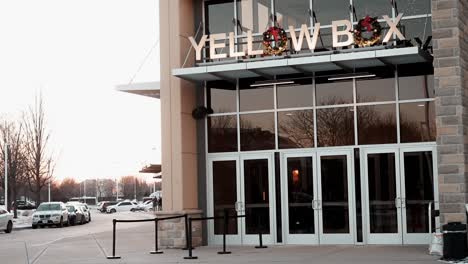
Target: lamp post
6,174
48,172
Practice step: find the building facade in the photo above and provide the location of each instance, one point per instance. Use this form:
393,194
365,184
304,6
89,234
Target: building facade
321,121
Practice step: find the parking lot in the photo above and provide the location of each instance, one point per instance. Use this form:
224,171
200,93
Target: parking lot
92,242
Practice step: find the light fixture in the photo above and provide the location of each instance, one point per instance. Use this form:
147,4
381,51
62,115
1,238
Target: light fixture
269,83
289,114
421,105
351,76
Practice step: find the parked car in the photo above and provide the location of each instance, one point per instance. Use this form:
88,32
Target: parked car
84,207
145,206
50,213
6,220
124,206
86,213
75,215
105,204
25,205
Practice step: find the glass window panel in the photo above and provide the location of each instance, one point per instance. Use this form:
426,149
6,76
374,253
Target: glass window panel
253,15
377,124
255,98
419,27
334,93
327,11
257,131
375,90
222,133
417,122
413,7
222,96
295,96
372,8
335,207
219,15
225,194
296,129
257,207
300,195
324,41
335,126
382,193
292,13
419,186
416,87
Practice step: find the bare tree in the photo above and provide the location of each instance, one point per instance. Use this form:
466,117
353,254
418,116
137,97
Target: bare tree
39,159
12,133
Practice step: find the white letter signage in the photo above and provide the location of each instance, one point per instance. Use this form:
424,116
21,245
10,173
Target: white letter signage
297,42
342,36
198,47
393,28
345,32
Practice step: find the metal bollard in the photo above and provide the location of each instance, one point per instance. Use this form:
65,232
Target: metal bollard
186,233
156,251
114,222
261,240
225,222
189,246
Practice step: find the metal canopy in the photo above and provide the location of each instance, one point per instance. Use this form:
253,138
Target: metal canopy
313,63
150,89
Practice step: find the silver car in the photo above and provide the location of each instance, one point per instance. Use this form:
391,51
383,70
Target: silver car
53,213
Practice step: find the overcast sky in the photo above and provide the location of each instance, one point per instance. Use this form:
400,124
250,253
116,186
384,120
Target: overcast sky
76,52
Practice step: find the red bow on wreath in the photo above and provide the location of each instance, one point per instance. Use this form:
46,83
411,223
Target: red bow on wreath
367,23
275,32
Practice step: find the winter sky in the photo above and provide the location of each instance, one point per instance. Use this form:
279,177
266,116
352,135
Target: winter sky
75,52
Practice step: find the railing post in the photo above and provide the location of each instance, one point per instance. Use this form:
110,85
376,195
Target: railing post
186,232
156,250
260,240
114,222
225,227
190,256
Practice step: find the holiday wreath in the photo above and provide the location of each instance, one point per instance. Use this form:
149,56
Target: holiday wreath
367,32
275,41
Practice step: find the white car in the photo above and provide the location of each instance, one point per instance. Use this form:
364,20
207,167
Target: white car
124,206
146,206
6,220
53,213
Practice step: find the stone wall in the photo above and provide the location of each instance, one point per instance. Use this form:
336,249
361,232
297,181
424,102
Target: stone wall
449,31
171,233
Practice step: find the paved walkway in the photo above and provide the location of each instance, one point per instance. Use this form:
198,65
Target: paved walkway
134,244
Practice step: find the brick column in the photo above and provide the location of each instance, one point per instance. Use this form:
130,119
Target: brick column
449,31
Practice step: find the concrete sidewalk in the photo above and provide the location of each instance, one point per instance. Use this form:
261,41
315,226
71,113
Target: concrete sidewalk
134,244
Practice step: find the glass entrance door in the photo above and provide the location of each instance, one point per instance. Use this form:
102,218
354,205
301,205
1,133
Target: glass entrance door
418,191
257,198
319,200
383,196
399,188
223,196
336,197
300,199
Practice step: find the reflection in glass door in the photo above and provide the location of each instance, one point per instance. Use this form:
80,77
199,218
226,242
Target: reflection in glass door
223,196
336,198
257,202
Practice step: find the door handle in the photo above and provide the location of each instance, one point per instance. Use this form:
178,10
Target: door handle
313,205
403,202
398,202
319,204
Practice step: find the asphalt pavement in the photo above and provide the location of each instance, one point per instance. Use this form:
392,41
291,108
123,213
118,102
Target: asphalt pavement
92,242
